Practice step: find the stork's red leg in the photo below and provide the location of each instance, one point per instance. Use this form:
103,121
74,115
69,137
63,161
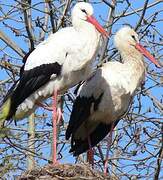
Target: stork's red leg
90,153
107,151
57,115
55,128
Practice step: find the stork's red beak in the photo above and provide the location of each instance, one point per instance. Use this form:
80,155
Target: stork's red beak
93,21
147,54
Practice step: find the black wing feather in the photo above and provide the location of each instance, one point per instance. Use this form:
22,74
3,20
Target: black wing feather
29,82
101,131
24,61
80,112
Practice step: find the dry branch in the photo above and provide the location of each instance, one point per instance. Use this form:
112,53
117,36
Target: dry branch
11,44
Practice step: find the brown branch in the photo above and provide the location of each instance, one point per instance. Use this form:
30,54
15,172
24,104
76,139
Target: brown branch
45,25
159,159
64,13
28,21
110,20
20,147
31,142
51,15
142,15
154,100
140,9
108,3
11,44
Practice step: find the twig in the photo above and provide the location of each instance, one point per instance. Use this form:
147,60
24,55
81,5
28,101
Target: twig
63,14
140,9
51,15
28,21
155,101
110,19
142,15
11,44
159,159
45,25
108,3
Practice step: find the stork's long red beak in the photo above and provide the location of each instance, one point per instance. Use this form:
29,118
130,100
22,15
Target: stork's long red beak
93,21
147,54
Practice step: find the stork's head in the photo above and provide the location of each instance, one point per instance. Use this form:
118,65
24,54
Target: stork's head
82,15
126,37
126,40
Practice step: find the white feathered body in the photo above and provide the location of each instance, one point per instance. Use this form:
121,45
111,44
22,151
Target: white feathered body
71,49
118,83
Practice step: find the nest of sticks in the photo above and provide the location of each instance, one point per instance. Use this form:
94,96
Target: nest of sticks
64,172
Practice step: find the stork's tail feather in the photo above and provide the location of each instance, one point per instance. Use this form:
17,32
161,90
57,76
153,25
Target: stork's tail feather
5,110
4,113
5,132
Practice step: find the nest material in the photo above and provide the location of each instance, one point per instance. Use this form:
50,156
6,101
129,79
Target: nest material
64,172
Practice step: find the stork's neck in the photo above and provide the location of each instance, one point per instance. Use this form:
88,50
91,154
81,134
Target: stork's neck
87,29
133,58
135,66
90,38
90,33
84,27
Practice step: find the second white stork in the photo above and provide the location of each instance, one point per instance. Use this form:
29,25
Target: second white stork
105,97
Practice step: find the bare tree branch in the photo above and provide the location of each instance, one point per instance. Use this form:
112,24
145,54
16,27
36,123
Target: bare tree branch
159,159
51,15
155,101
31,142
11,44
45,25
64,13
28,21
110,20
140,9
142,15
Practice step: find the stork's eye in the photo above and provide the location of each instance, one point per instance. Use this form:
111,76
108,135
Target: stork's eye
133,37
84,11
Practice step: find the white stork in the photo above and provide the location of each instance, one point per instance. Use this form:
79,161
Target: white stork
105,97
56,64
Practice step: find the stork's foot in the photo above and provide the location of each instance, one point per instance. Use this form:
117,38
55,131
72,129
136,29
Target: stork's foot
90,153
106,166
49,108
56,163
90,157
53,163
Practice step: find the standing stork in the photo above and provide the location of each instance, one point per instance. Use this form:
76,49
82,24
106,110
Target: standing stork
105,97
56,64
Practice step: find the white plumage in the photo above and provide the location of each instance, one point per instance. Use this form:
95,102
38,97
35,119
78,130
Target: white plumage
106,97
70,50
